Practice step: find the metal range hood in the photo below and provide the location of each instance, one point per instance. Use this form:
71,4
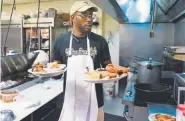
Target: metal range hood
141,11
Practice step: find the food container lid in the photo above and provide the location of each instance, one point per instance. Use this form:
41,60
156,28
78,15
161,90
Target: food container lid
181,107
153,63
7,115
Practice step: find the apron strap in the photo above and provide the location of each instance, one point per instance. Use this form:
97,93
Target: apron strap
88,46
70,45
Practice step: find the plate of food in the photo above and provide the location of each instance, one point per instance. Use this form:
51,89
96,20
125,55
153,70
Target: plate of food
161,117
111,73
42,71
55,65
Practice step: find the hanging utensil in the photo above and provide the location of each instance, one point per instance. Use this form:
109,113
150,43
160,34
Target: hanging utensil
110,38
152,19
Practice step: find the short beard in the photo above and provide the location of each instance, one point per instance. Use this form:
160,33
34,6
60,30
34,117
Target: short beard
84,30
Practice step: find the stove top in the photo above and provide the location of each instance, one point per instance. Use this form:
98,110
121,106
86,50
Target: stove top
142,103
130,96
16,80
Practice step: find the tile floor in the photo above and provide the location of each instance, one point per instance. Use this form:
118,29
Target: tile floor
114,106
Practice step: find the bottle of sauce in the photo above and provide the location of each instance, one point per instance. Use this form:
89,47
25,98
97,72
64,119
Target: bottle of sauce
179,112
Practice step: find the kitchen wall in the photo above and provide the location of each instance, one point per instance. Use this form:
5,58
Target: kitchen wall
135,41
107,23
15,43
106,7
179,37
111,33
61,6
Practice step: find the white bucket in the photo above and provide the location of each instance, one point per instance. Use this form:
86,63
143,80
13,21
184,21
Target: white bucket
108,89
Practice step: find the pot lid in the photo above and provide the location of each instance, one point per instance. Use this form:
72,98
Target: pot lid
153,63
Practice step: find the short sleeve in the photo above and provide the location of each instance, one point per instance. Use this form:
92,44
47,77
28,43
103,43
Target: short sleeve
57,50
105,54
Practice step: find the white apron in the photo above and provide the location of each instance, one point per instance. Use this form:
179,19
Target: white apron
80,102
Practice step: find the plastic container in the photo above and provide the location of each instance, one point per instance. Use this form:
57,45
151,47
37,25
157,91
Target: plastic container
12,52
8,96
108,89
183,113
179,112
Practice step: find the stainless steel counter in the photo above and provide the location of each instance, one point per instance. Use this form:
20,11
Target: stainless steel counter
132,112
179,87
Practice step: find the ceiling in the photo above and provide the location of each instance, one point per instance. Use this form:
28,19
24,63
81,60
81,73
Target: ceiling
140,11
134,11
166,5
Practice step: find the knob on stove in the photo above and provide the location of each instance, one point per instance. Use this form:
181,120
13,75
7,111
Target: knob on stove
129,93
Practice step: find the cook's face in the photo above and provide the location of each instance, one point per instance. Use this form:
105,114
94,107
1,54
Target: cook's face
84,20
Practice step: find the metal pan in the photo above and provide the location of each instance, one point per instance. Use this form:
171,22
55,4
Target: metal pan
152,92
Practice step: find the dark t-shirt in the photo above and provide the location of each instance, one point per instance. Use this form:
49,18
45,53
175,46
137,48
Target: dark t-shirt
99,53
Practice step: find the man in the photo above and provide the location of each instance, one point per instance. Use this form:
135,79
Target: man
81,15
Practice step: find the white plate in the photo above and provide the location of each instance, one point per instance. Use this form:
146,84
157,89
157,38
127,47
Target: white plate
48,73
62,66
151,117
106,80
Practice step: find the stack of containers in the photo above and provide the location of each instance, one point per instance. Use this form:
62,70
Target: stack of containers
183,115
180,111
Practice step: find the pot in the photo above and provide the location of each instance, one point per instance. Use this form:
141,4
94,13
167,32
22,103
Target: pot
152,92
149,71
